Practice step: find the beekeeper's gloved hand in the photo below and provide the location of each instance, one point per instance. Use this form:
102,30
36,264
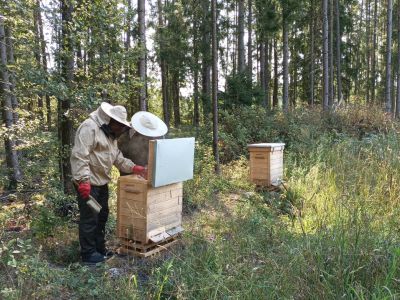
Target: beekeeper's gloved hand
139,170
84,189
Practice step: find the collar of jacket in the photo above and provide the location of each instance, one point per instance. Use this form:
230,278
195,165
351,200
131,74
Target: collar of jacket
107,131
102,120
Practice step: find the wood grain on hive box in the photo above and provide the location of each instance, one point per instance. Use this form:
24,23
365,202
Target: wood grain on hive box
144,211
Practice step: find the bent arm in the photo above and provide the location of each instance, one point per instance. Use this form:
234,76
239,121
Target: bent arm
123,164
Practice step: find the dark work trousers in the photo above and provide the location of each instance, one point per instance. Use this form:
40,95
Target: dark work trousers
91,226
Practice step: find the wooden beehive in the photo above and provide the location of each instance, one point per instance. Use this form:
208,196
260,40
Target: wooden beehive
147,216
266,163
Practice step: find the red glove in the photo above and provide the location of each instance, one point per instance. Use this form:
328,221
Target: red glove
139,170
84,189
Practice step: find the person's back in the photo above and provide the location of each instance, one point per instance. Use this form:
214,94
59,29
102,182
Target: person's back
136,148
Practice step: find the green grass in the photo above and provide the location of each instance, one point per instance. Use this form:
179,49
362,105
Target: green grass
333,232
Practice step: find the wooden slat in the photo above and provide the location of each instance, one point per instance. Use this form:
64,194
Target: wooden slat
118,204
132,233
133,198
149,251
164,213
133,214
132,179
166,196
125,209
164,189
134,221
276,155
161,219
167,222
150,162
164,205
132,243
266,149
268,170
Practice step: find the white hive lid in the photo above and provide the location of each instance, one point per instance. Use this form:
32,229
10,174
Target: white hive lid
266,145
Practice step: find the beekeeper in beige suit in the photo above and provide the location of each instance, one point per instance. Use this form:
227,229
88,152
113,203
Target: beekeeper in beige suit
94,153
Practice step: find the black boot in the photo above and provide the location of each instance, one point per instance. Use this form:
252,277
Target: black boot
106,253
93,258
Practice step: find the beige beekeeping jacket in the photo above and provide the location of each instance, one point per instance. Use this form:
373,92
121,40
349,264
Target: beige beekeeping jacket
94,154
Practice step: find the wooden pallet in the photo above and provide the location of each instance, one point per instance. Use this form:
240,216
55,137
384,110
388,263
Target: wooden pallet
135,248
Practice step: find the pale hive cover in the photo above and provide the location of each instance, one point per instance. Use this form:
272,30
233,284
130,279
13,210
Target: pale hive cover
173,161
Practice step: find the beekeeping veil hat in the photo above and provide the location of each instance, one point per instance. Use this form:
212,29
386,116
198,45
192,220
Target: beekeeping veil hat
148,124
117,112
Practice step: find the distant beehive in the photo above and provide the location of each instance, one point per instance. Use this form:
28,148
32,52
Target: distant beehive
266,163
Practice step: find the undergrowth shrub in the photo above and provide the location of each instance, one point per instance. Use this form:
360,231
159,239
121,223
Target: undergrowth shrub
300,129
44,222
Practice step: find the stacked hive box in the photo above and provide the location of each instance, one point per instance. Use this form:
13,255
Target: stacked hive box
145,212
148,218
266,163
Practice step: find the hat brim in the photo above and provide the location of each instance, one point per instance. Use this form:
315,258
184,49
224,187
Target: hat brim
159,130
107,108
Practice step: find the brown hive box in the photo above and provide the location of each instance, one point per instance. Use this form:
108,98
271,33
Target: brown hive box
266,163
147,215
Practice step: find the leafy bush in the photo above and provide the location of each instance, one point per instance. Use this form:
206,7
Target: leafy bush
299,129
44,222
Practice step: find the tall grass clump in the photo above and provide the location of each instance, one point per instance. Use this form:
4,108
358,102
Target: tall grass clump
348,220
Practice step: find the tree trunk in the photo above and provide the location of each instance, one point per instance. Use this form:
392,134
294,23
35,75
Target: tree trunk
285,92
37,52
44,64
268,54
11,61
325,103
196,99
276,79
398,64
367,44
196,112
357,55
142,59
262,73
164,88
330,53
175,92
388,98
128,33
206,62
312,54
12,158
338,54
249,41
127,44
373,75
227,53
67,73
235,41
215,83
241,60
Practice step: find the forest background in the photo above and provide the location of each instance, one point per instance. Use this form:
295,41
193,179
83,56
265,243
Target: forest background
320,76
